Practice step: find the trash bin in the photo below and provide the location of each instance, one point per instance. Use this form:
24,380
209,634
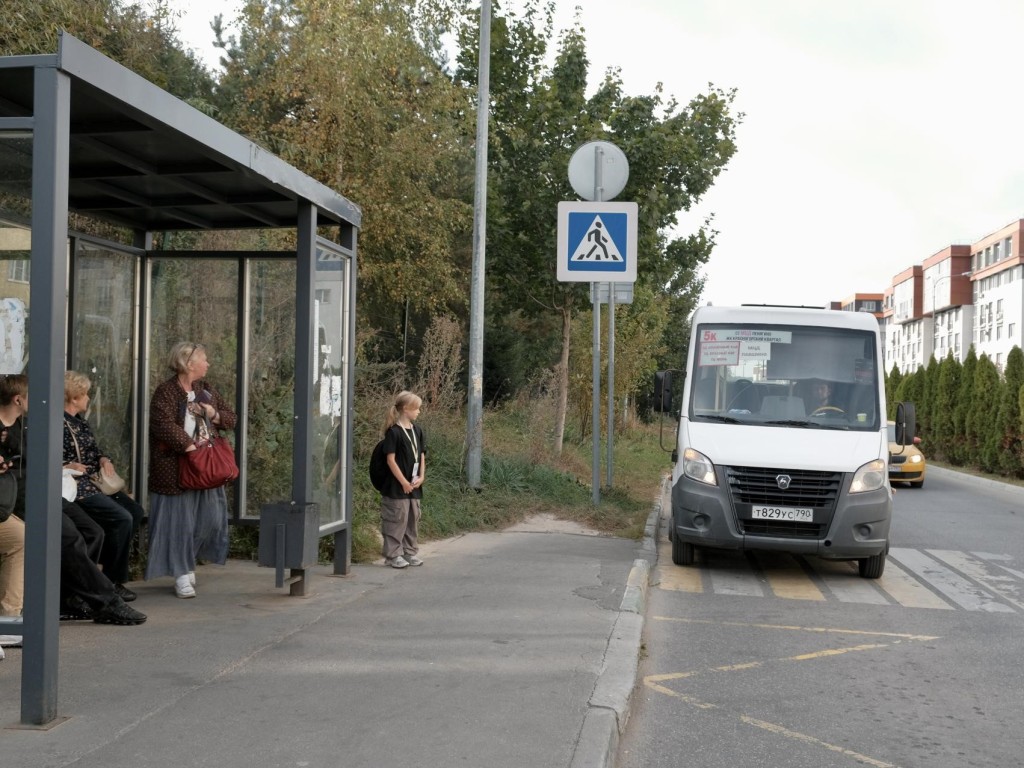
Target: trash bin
301,528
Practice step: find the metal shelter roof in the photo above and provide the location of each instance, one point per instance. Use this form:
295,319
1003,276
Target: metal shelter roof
144,159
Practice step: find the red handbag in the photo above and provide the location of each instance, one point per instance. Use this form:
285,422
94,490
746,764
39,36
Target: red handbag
210,465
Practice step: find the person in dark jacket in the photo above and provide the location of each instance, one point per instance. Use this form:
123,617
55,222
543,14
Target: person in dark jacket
84,591
185,525
118,514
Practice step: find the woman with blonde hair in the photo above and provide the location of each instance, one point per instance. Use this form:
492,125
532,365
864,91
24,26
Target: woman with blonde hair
185,525
118,514
406,451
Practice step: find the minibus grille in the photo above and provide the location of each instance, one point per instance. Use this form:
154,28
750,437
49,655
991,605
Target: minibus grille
760,486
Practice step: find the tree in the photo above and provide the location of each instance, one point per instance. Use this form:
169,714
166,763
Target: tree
981,412
540,115
926,405
353,92
962,449
943,426
1003,446
892,385
147,44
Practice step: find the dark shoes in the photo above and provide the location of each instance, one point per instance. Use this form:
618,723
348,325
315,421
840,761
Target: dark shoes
114,612
76,609
124,593
118,612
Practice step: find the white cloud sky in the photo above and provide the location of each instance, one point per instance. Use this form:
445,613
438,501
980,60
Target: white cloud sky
877,132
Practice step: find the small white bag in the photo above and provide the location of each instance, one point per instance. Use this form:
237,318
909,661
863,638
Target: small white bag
68,484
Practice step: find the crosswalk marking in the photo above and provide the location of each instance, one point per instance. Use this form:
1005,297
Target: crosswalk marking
908,591
935,579
729,581
842,580
1003,582
788,580
948,582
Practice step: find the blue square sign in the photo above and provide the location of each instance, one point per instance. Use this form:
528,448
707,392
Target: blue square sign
597,242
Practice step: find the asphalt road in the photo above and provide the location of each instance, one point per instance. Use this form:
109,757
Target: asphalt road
773,660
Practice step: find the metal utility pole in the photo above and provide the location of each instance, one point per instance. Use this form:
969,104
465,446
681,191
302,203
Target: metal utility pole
474,425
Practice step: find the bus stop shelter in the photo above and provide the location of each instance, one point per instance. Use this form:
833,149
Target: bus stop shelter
80,134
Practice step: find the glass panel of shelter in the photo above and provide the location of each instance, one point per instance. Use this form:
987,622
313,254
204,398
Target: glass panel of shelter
195,299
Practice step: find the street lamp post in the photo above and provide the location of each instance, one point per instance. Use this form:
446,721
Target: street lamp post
935,284
935,330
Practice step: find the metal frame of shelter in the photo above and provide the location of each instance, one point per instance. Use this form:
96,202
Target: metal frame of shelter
110,145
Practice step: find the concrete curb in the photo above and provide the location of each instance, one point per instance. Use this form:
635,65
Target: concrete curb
966,477
609,705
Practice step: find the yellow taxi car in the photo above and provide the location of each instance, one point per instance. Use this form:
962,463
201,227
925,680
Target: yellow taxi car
906,463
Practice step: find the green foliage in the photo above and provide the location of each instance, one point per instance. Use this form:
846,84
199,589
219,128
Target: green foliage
892,386
962,450
351,92
540,115
515,485
1003,444
981,414
146,43
943,433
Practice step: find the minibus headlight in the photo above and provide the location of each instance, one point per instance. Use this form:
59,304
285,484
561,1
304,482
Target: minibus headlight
870,477
697,466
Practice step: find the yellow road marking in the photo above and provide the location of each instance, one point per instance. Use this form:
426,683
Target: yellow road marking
654,682
788,580
792,583
782,731
823,630
675,578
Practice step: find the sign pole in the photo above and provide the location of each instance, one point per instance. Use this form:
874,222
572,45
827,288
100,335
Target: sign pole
598,171
595,420
610,440
596,410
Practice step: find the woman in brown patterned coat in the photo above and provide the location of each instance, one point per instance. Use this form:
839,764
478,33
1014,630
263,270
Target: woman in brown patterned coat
184,525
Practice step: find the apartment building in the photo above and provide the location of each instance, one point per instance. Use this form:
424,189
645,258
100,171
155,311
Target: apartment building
962,295
998,292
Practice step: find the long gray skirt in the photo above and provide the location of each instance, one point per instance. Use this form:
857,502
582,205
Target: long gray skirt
185,528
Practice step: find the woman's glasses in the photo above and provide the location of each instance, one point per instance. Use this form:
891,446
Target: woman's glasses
195,348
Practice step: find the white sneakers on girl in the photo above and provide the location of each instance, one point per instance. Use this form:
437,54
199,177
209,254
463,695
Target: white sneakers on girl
183,587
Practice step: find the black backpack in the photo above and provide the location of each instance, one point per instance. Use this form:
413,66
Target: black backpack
379,469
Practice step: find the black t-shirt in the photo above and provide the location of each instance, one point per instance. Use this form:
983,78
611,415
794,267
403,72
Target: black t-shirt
12,448
400,441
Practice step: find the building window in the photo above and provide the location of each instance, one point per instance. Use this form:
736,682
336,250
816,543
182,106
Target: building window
18,270
1010,330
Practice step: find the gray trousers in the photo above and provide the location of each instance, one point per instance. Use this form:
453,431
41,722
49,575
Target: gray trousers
398,521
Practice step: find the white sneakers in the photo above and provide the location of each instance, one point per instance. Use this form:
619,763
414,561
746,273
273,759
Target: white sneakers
10,640
402,562
183,586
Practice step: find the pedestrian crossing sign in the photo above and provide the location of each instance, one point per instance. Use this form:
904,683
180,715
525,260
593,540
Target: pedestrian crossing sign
597,242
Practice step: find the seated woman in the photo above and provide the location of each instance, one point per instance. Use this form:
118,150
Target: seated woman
118,515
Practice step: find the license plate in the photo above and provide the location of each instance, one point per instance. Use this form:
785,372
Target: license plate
895,467
791,514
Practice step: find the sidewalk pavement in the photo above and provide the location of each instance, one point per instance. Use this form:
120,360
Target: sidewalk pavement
516,648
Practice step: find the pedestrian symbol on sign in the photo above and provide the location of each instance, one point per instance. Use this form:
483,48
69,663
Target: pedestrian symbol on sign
597,246
597,242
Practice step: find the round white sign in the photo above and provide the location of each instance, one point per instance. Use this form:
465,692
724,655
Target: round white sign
598,171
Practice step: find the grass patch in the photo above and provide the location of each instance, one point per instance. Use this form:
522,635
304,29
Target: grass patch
519,477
